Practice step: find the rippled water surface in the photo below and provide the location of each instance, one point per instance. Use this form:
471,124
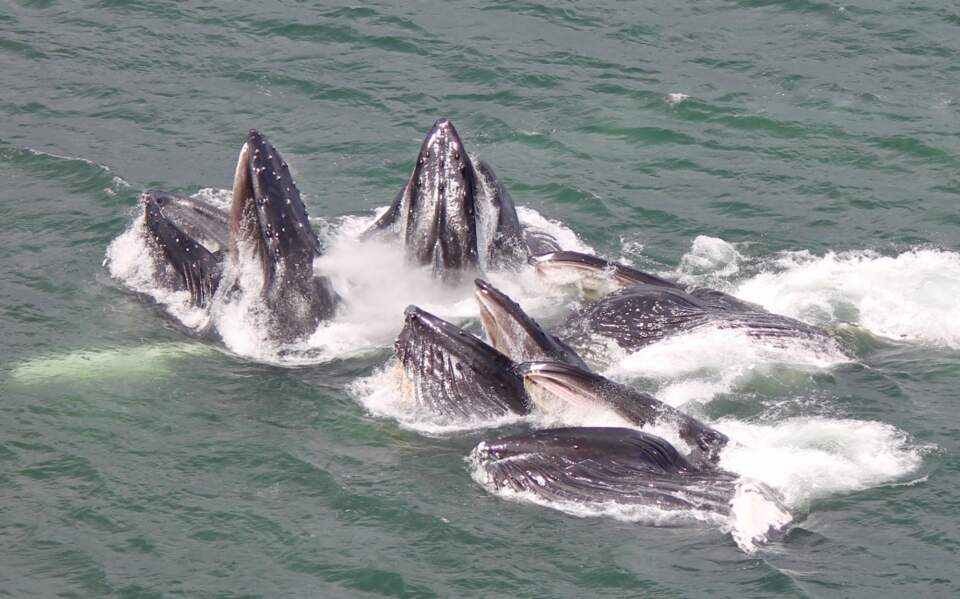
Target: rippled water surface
803,155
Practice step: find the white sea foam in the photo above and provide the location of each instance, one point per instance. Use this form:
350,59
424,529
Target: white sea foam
699,365
912,296
807,459
709,263
564,235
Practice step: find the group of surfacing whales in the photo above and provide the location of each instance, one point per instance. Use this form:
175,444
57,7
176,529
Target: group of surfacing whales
455,217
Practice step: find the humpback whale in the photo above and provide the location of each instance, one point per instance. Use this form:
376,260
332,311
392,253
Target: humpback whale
454,215
602,465
188,239
511,331
559,390
644,308
453,374
272,245
637,316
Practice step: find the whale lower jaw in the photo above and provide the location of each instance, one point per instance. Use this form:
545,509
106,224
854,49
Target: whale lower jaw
590,466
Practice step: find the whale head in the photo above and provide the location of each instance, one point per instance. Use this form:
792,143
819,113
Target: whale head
269,226
453,374
435,212
510,330
189,262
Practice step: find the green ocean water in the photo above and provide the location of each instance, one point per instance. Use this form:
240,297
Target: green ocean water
821,140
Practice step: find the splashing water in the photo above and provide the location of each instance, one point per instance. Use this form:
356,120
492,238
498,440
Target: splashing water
373,277
703,363
910,297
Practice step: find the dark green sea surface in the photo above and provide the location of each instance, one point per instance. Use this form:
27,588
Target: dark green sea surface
137,460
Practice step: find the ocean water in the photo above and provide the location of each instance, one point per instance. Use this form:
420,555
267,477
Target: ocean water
801,155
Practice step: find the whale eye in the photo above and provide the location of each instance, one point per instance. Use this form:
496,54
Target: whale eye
456,155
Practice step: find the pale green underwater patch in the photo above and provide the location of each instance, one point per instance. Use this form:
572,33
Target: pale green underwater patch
84,365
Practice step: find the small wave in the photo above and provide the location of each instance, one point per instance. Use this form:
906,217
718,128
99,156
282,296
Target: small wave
85,173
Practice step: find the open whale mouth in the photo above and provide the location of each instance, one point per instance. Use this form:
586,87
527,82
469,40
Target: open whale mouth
201,220
505,323
563,392
436,212
559,389
600,466
595,274
514,333
440,225
269,229
267,210
452,373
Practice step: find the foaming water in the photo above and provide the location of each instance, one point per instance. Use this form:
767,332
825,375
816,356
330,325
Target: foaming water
804,460
911,296
699,365
709,259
